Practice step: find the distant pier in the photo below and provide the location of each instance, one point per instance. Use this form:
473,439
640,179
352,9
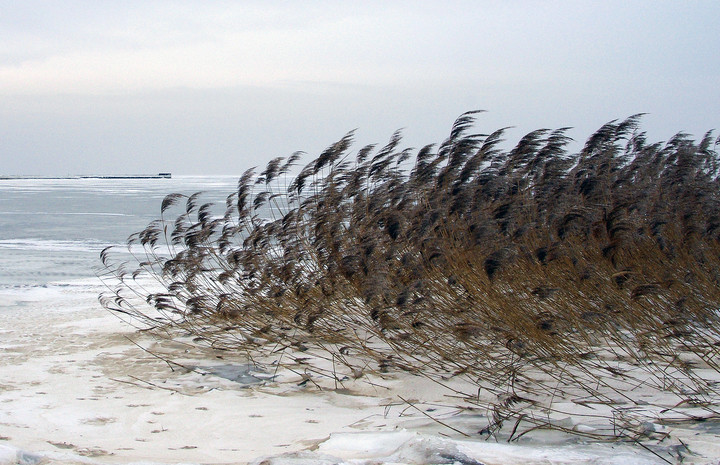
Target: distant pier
94,176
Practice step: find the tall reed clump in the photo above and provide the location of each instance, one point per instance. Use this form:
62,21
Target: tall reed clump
578,292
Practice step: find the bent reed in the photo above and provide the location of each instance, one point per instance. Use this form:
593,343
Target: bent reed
572,291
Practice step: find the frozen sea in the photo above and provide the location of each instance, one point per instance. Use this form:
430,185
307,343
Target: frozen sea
52,230
75,390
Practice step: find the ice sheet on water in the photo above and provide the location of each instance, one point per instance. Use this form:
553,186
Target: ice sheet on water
404,447
59,296
124,187
243,374
12,456
53,245
409,448
399,446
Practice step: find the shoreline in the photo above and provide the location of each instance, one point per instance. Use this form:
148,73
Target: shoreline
93,176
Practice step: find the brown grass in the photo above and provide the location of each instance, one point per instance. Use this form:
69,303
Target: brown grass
558,285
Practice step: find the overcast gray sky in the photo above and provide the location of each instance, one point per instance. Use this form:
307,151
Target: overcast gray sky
214,87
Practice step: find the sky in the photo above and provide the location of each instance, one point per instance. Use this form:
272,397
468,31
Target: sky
200,87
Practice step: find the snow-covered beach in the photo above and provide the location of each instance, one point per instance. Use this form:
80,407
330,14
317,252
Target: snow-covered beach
76,386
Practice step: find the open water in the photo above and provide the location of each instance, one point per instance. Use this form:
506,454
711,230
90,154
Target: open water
52,230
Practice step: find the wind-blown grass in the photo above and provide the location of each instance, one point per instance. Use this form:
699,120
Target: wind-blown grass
584,285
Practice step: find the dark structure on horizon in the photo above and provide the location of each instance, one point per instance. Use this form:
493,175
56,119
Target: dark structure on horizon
96,176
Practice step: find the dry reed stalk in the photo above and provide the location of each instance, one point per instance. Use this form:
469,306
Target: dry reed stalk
583,286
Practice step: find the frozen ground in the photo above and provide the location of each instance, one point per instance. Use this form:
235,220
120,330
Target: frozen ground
76,386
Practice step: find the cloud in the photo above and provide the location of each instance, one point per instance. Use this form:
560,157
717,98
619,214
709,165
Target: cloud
89,81
203,46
